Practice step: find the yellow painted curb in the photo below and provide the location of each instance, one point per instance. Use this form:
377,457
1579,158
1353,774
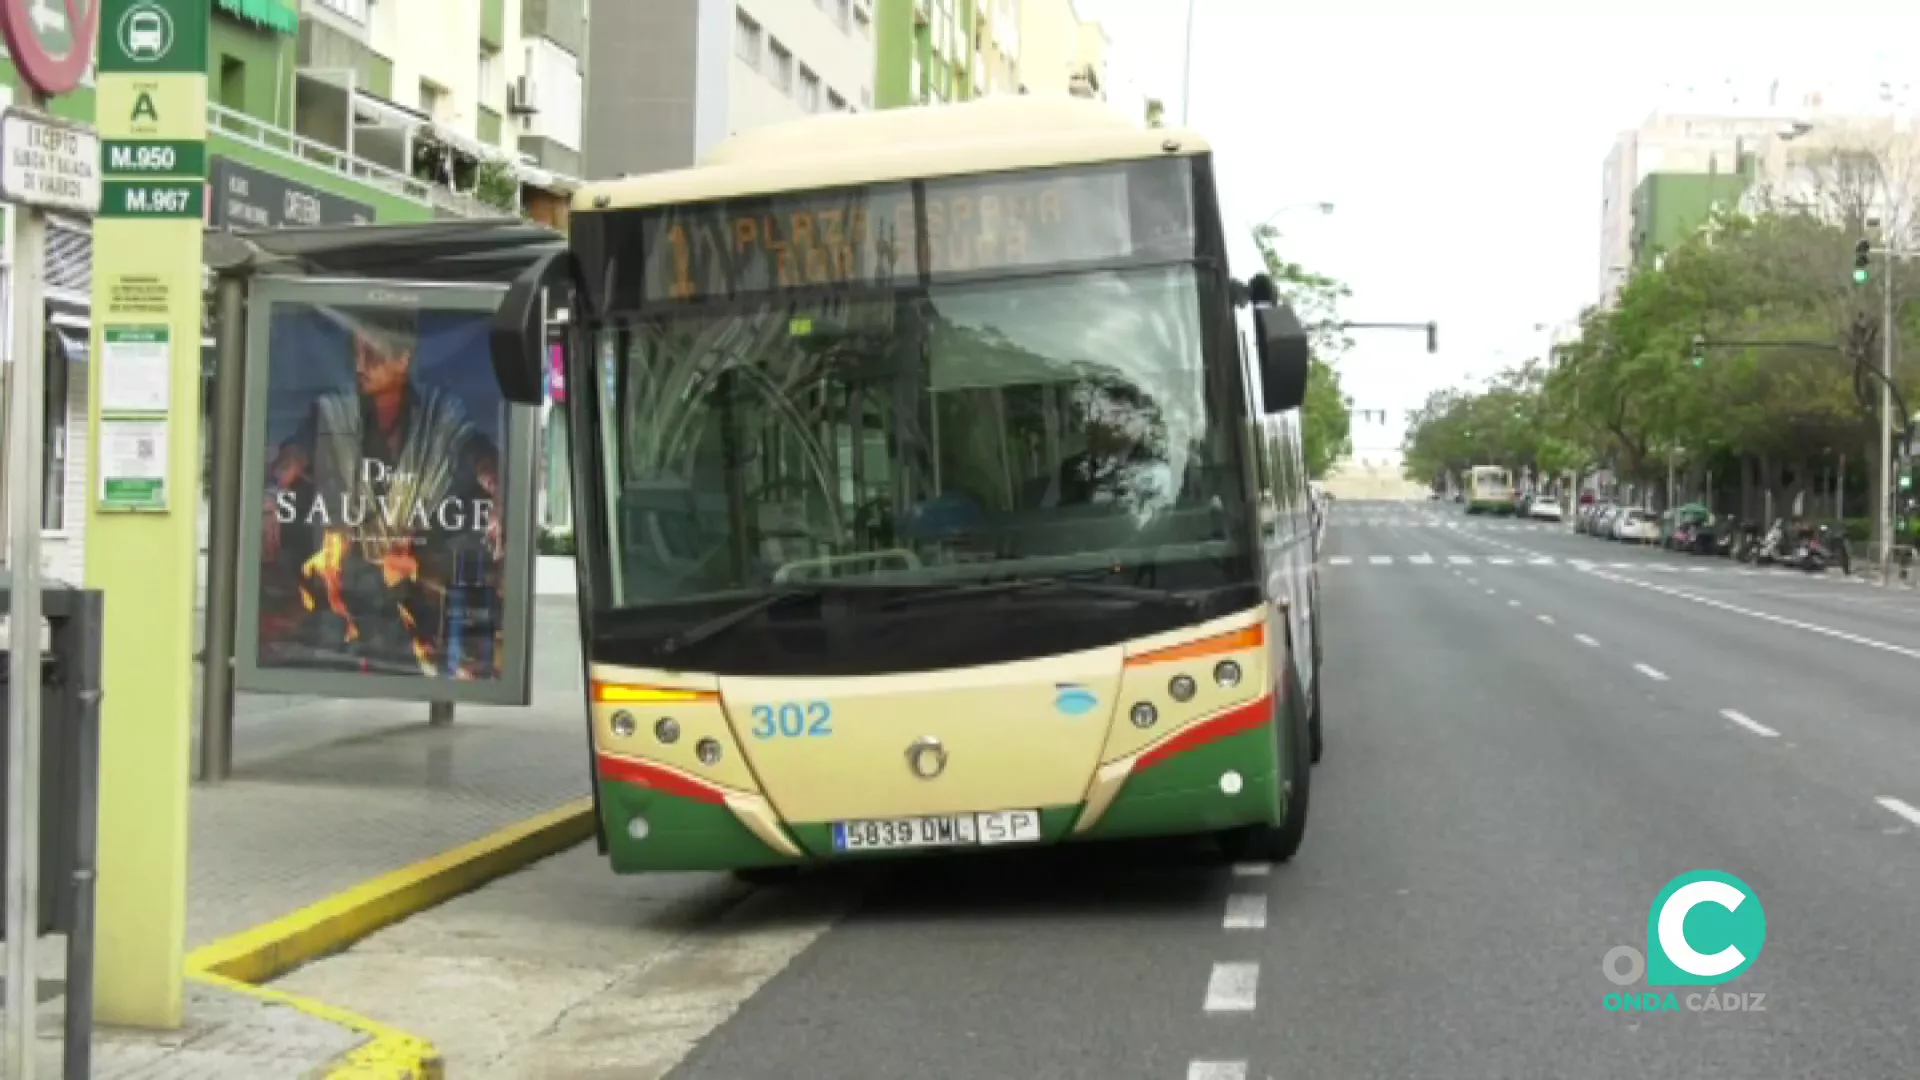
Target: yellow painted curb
388,1054
272,949
243,961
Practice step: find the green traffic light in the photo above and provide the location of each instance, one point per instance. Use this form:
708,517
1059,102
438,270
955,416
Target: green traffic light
1860,276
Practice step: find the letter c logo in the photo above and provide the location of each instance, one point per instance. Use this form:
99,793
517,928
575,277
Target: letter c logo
1673,928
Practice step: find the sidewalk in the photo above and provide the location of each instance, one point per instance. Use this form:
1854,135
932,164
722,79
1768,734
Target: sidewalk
326,796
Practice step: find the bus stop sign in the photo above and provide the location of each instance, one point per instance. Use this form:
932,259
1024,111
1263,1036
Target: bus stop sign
51,41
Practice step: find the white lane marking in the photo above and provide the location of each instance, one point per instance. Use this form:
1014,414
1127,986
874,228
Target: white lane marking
1905,810
1490,592
1548,619
1246,911
1541,560
1585,640
1513,603
1778,620
1379,560
1653,673
1216,1070
1750,724
1231,987
1340,560
1252,869
1473,581
1460,560
1422,559
1500,560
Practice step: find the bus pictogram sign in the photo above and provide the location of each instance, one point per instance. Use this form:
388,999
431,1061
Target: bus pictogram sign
51,41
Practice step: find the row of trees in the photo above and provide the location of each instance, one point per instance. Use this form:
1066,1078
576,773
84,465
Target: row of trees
1777,406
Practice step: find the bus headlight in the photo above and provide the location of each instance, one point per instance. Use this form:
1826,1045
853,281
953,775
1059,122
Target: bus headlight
1227,673
1182,688
622,724
667,729
1144,714
708,751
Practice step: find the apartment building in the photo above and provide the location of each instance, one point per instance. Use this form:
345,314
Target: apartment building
693,72
469,105
927,50
1061,52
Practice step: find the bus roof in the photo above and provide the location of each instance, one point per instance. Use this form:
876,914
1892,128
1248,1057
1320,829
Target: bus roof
992,134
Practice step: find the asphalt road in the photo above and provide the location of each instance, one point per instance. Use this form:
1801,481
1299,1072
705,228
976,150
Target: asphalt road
1525,744
1503,797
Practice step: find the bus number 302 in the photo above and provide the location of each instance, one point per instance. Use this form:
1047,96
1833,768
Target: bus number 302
793,719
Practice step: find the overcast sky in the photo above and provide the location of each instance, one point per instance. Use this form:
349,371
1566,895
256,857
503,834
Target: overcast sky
1462,151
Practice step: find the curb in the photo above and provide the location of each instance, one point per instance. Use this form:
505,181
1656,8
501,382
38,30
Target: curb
242,962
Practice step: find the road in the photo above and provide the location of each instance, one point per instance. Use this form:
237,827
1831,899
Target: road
1529,734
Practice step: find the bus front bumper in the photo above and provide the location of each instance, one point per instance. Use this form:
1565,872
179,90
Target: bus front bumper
658,820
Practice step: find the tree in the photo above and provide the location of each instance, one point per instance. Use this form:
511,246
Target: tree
1326,425
1771,410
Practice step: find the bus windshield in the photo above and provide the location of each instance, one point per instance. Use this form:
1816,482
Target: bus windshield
1032,427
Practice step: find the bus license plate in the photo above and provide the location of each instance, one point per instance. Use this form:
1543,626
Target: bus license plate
950,830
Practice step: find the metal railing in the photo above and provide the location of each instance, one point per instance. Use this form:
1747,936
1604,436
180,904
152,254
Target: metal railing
273,139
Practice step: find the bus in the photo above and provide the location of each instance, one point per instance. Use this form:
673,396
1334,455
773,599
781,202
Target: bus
1489,490
937,489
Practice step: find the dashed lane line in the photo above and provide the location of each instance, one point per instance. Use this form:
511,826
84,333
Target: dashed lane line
1650,672
1380,560
1750,724
1231,987
1778,620
1252,869
1246,911
1548,619
1340,560
1217,1070
1904,809
1587,641
1513,603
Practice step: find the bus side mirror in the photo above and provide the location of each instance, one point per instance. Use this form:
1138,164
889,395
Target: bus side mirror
518,338
1284,352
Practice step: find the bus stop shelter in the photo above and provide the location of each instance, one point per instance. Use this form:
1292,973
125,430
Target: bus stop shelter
457,252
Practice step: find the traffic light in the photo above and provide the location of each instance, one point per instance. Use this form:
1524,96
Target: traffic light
1433,337
1699,350
1862,252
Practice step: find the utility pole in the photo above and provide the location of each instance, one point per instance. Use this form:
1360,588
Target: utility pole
1884,497
1186,68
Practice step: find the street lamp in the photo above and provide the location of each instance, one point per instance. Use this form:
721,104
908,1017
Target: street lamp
1186,68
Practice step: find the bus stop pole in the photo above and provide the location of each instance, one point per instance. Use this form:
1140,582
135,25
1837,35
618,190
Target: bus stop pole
223,531
24,482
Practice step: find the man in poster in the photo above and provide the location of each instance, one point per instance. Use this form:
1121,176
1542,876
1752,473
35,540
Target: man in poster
385,506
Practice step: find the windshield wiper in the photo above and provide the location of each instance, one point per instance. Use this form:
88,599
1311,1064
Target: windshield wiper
1029,585
727,620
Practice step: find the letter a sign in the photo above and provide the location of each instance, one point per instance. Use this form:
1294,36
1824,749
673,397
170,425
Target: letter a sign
51,41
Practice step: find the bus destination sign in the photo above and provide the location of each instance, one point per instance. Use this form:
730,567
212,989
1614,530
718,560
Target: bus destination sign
886,235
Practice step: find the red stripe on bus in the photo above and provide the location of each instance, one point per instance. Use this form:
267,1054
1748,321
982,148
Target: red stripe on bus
629,771
1239,719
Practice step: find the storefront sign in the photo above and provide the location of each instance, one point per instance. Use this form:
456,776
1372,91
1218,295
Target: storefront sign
389,556
248,198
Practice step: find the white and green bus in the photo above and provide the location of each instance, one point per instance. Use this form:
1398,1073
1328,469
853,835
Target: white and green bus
937,486
1489,490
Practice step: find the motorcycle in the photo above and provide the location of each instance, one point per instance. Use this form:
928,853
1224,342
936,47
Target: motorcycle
1767,549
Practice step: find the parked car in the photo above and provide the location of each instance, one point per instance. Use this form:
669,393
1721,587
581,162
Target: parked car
1636,527
1544,508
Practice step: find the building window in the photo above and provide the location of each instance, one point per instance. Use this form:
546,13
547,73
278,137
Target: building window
845,15
863,22
809,90
746,39
352,9
484,84
782,72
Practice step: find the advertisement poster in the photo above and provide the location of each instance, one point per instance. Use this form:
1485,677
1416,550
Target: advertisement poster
384,548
